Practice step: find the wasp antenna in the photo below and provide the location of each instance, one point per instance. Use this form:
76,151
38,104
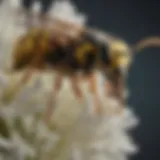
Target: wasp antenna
147,42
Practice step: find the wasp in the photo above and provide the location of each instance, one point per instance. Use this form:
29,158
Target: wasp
83,54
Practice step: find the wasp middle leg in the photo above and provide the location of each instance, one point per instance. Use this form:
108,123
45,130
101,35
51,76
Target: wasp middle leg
56,87
93,87
75,81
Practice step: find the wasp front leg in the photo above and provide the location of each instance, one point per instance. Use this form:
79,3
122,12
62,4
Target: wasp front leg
93,87
56,87
115,87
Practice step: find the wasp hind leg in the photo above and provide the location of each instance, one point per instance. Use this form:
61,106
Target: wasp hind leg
10,94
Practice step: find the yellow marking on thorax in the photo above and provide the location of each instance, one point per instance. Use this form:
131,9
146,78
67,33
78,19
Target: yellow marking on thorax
83,50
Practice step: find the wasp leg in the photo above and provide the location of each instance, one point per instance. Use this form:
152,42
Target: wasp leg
53,96
11,94
108,89
35,65
115,88
94,91
27,76
25,79
75,81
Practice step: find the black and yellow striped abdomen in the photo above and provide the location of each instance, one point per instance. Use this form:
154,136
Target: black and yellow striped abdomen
29,46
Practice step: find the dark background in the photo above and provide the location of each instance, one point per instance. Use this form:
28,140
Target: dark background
134,20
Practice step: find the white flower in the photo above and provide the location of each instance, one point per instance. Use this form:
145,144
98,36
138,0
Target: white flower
66,11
